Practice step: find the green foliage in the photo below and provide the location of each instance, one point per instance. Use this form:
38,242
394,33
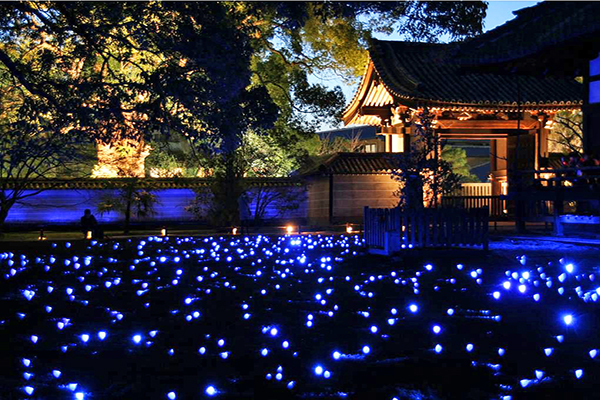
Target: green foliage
162,162
457,158
263,157
293,40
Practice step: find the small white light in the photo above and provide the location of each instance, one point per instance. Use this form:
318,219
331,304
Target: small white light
137,339
578,373
568,319
496,295
548,351
373,329
501,351
569,268
171,395
593,353
211,391
413,308
438,348
318,370
470,347
436,329
539,374
506,285
336,355
366,349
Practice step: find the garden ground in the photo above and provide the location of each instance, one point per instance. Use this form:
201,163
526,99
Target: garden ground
296,317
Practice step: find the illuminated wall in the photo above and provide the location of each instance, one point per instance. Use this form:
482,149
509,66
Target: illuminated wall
67,207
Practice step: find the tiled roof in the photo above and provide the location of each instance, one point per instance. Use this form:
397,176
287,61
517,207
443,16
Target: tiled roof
144,183
550,30
429,74
351,164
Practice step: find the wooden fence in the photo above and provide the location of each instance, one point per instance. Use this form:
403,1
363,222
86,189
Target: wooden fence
444,227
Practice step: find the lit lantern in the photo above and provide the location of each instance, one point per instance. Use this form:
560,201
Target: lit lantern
234,231
163,232
88,235
348,229
289,229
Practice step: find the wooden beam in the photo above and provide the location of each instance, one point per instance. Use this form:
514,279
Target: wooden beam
486,124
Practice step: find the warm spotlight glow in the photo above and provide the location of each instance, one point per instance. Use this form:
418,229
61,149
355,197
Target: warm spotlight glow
234,231
289,229
348,229
88,235
163,232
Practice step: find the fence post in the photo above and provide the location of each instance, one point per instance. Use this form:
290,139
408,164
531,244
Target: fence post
486,227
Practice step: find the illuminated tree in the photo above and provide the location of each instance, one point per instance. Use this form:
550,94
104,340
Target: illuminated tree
114,73
423,176
566,135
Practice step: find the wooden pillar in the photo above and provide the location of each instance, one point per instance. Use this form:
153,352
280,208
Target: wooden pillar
498,157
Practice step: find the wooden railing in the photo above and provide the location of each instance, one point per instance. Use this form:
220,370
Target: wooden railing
497,205
443,227
474,189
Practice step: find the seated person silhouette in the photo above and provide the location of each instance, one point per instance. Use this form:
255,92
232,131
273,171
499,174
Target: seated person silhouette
89,224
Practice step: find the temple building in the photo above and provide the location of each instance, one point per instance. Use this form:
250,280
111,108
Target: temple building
512,112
